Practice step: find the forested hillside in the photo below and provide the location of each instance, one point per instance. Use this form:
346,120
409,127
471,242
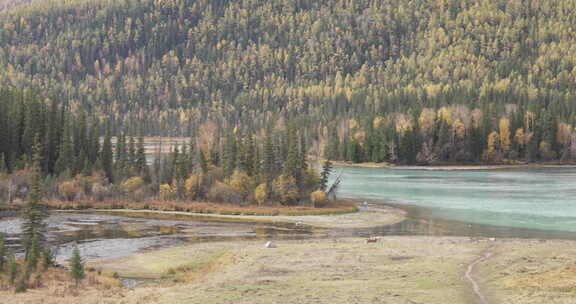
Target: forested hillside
417,81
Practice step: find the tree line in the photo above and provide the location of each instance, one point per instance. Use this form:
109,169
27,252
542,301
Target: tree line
454,134
79,159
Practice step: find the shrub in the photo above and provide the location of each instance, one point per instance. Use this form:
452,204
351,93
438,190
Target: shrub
132,184
286,189
167,192
261,194
100,192
192,186
224,193
318,198
69,190
241,182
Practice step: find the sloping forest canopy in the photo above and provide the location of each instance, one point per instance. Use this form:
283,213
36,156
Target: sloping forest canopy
402,81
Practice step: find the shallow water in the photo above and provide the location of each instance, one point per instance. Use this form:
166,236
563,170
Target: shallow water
106,236
542,198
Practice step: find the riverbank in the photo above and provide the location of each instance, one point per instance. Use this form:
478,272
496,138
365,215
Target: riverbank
338,207
365,217
394,270
454,167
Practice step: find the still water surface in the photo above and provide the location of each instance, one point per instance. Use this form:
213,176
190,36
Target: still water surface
535,198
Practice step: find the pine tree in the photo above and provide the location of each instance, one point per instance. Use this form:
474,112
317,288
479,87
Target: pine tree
268,158
48,258
141,166
33,255
2,252
12,269
66,155
33,226
3,167
131,153
76,266
94,143
325,174
292,165
121,163
229,156
107,157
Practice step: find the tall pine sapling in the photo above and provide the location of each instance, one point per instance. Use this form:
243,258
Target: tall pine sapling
2,252
33,226
33,255
12,269
325,174
48,258
76,266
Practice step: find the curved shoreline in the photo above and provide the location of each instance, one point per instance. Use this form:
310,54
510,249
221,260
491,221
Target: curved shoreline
365,217
454,167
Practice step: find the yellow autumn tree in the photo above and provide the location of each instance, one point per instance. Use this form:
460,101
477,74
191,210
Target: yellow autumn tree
260,194
192,186
241,182
564,134
132,184
504,136
426,120
459,129
167,192
286,189
519,137
493,142
445,114
318,198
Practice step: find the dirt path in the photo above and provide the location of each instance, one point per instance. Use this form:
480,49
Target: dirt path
468,275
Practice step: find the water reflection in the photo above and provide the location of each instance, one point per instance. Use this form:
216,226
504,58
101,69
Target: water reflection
419,221
104,236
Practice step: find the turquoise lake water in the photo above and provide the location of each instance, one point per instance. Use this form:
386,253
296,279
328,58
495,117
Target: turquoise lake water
542,198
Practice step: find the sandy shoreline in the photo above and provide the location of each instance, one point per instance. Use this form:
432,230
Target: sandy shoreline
366,217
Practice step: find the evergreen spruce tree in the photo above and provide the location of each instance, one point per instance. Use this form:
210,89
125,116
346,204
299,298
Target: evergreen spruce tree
34,212
292,165
229,155
66,154
76,266
48,258
141,166
12,269
94,143
201,160
107,157
120,163
268,158
33,255
131,153
3,167
324,175
3,254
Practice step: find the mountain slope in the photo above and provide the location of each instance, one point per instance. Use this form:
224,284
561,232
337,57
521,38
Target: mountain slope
164,66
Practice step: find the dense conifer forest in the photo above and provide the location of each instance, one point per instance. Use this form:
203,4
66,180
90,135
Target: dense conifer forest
80,165
408,82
